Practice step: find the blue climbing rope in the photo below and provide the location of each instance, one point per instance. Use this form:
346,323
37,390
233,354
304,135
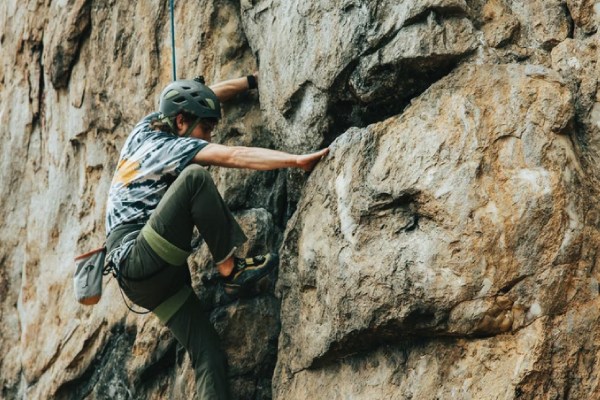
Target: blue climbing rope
173,40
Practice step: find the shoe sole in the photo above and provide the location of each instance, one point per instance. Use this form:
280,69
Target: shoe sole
271,264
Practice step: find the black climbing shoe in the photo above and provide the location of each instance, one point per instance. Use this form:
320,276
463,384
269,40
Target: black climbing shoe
249,271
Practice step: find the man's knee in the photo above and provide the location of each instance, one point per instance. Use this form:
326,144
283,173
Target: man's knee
193,170
196,175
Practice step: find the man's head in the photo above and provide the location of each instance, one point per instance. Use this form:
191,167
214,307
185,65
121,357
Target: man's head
190,108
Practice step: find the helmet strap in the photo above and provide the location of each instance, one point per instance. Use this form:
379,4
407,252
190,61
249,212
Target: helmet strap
192,127
167,120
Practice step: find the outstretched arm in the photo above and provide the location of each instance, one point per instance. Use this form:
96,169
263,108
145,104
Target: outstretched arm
255,158
228,89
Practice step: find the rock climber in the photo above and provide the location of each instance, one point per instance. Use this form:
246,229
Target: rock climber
160,191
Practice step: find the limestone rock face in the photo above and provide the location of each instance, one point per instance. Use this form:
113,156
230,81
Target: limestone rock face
447,246
430,244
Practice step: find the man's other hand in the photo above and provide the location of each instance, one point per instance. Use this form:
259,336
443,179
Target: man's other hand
308,161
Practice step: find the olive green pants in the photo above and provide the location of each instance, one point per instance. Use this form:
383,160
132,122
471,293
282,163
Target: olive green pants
159,278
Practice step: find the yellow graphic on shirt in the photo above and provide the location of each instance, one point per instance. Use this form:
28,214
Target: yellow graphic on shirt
127,171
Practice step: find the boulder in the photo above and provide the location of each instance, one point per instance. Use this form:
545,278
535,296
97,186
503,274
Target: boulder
403,233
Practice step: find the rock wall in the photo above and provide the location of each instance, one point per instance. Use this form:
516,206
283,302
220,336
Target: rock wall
445,248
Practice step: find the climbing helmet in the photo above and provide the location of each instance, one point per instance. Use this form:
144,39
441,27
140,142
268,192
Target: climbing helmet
189,96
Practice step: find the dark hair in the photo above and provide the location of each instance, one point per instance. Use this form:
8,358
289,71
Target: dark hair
157,124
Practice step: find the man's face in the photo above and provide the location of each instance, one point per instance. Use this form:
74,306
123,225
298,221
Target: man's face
204,130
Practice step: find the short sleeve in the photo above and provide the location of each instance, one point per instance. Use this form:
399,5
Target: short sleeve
175,153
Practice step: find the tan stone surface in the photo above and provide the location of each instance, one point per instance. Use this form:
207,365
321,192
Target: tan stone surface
585,14
500,25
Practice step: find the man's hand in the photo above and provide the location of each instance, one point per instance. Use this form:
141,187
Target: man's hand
308,161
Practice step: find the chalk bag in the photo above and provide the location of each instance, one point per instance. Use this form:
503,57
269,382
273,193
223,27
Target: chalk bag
89,268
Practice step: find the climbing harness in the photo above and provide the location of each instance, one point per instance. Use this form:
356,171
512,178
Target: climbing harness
173,40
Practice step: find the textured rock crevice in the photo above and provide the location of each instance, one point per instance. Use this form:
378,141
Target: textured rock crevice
69,25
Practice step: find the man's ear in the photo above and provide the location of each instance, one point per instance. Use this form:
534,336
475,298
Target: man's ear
178,121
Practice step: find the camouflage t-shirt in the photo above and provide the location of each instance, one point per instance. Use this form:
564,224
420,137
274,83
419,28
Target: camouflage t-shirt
150,161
